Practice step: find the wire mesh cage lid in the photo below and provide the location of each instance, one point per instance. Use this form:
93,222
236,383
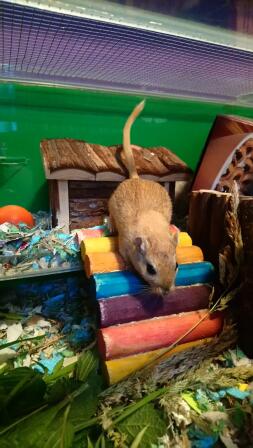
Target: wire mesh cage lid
45,46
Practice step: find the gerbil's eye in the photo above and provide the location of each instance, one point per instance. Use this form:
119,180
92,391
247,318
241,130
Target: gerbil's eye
176,266
150,269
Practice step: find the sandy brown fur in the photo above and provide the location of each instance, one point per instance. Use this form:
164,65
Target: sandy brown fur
130,164
141,211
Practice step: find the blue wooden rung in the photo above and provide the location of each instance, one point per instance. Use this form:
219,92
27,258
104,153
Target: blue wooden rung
119,283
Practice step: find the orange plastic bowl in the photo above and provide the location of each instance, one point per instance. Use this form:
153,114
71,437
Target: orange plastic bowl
16,215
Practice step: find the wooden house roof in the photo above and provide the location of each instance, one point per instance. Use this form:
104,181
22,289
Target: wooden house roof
68,159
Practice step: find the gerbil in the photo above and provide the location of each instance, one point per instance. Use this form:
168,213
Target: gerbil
140,210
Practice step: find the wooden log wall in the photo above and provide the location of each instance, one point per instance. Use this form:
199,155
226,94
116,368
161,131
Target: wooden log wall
88,202
206,222
206,227
245,302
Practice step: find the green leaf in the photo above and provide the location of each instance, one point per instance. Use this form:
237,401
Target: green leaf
85,405
139,438
34,431
146,416
59,372
238,417
63,436
103,443
11,316
60,389
80,439
21,391
90,444
31,432
85,365
9,379
19,341
99,442
191,401
86,424
130,409
58,367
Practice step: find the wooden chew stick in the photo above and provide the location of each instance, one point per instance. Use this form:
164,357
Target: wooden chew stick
83,234
103,262
97,262
101,231
103,244
120,283
118,369
189,254
117,283
184,239
123,309
137,337
110,244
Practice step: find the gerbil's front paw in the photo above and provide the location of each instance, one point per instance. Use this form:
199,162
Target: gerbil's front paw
157,290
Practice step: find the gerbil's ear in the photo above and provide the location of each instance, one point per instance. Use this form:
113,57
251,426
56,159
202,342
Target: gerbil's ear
140,245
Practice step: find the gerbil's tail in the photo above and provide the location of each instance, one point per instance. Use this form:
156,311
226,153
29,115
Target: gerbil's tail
130,163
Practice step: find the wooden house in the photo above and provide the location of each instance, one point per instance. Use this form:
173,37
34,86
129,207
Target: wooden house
82,176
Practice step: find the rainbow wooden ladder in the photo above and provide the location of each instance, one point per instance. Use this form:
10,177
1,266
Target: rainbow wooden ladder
135,327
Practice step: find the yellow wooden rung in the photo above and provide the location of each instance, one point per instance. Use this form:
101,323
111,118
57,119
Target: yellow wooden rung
103,244
110,244
118,369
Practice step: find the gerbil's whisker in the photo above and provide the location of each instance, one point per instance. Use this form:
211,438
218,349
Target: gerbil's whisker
146,288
